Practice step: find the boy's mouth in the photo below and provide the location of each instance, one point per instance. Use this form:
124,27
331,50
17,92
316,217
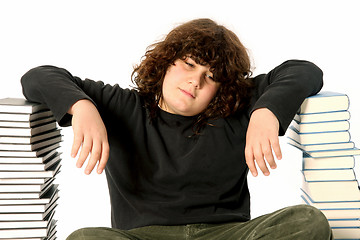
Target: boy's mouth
187,93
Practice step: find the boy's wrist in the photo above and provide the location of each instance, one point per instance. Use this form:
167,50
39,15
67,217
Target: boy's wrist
80,104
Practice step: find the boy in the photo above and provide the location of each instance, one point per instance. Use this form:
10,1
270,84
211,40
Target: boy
182,142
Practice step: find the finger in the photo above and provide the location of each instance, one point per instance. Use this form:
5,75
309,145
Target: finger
249,157
276,148
84,153
259,157
94,157
104,157
267,152
78,139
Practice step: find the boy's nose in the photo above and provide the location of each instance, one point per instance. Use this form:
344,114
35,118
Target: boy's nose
196,80
195,83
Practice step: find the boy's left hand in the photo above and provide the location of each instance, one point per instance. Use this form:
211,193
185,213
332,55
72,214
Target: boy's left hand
262,139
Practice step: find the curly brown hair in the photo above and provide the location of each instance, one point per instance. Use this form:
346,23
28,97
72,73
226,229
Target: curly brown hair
208,44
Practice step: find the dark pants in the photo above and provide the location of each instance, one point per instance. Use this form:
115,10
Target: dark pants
297,222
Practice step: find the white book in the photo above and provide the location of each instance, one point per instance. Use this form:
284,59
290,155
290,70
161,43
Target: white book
19,105
21,233
318,138
341,213
27,224
23,180
337,212
322,117
51,235
329,205
46,198
24,188
33,208
346,233
30,139
29,147
25,117
325,101
27,216
27,124
342,223
27,233
334,153
29,160
28,196
319,127
328,162
31,167
342,191
27,132
36,153
33,174
321,147
329,175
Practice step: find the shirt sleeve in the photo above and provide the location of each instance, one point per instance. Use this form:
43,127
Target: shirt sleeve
284,89
59,90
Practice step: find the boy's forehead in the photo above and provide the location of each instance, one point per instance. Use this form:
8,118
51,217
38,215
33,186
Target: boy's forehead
198,60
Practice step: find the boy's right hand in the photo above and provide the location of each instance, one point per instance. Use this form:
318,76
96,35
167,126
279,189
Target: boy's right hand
89,134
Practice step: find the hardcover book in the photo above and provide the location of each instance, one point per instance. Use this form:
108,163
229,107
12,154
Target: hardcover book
325,101
322,117
19,105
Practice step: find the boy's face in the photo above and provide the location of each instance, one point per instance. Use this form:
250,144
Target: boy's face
188,88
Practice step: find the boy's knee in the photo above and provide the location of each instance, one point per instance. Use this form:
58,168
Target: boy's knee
311,213
87,234
314,220
99,233
79,234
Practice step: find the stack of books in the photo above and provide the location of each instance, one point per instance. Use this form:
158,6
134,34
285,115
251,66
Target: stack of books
29,162
321,131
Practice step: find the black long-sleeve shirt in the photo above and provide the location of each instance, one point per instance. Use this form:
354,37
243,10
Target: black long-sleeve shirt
157,174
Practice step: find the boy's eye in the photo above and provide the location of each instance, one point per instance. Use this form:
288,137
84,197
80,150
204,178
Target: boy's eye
209,76
189,64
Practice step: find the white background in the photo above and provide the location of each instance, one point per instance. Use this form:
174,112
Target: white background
102,40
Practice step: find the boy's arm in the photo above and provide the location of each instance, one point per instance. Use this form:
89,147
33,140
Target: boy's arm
261,141
277,98
64,95
90,134
56,88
